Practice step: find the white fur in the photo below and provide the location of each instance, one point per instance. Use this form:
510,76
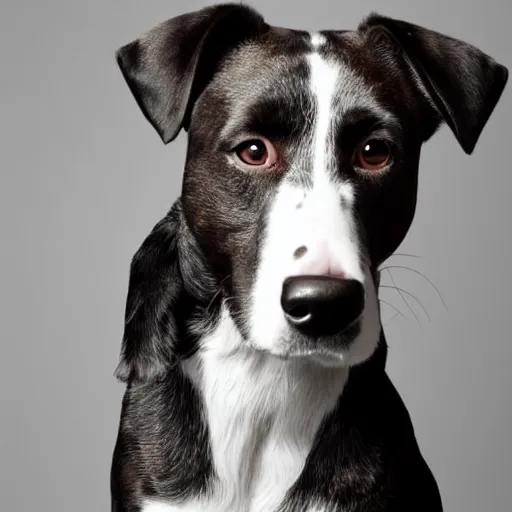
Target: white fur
263,414
160,506
321,219
317,39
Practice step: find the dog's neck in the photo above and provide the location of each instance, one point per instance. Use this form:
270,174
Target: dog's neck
263,414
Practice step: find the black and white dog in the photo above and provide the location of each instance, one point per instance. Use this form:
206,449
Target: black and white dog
253,349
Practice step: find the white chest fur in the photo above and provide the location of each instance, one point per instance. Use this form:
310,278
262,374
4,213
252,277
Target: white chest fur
263,414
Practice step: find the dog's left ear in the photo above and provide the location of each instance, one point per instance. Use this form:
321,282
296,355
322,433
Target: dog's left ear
460,81
168,67
151,331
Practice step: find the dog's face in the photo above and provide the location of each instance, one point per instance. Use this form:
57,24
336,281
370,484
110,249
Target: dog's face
297,167
303,156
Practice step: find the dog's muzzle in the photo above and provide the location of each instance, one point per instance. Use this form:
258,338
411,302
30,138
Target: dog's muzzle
322,305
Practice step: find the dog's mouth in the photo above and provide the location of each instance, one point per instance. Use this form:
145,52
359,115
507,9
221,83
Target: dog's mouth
329,351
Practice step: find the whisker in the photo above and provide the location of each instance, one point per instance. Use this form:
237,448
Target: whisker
422,275
398,312
403,297
410,295
296,386
216,294
236,315
391,319
406,255
228,299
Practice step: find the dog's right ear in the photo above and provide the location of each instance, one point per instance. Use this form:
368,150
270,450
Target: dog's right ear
168,67
156,286
461,82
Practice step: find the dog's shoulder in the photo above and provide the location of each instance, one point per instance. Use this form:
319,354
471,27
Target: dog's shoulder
366,457
162,446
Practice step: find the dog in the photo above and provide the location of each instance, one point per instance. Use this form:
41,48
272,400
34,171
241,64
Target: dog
253,349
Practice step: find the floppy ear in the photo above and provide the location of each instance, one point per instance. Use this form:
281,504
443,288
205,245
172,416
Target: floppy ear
461,82
168,67
151,322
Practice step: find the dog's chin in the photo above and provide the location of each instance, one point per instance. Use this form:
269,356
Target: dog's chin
341,350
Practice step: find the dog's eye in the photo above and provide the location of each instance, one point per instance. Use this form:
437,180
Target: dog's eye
257,153
254,152
373,155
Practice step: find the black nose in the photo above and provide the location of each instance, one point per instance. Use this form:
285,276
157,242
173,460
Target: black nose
322,305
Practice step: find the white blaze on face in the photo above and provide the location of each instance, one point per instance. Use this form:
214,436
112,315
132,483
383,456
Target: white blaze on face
311,231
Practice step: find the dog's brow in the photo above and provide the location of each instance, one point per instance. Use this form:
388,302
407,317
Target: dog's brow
377,116
274,117
358,123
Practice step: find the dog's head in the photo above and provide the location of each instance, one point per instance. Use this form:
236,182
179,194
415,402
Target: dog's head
300,178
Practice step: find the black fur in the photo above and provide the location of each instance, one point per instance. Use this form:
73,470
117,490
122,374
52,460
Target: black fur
168,299
162,449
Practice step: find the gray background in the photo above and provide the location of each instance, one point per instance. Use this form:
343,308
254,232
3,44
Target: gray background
83,180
